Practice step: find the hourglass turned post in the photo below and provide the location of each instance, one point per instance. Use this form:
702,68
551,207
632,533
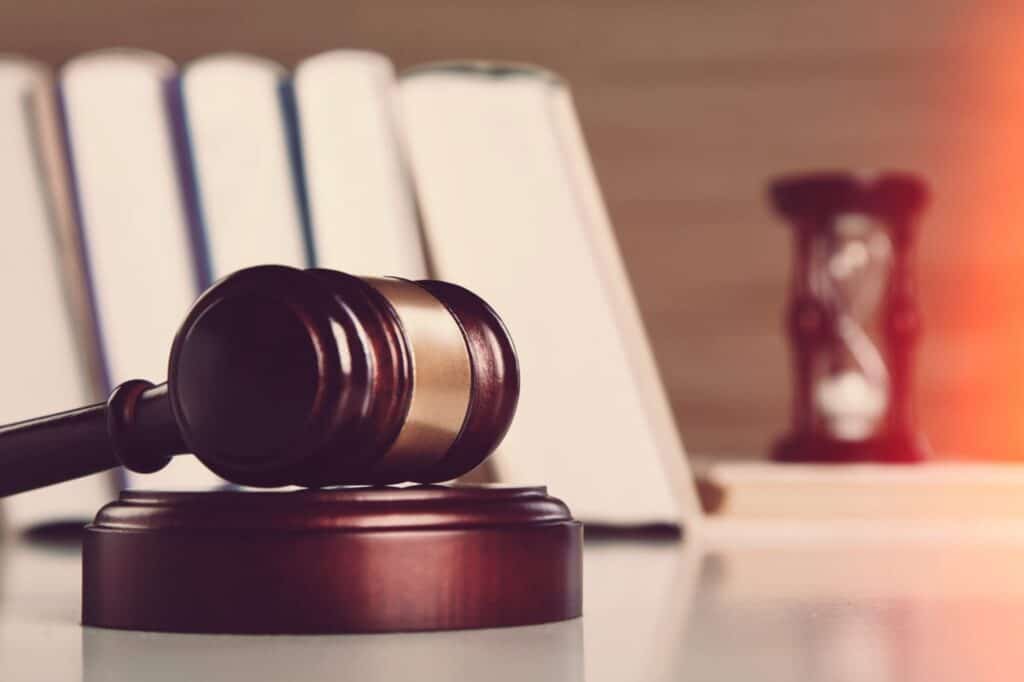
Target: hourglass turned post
852,317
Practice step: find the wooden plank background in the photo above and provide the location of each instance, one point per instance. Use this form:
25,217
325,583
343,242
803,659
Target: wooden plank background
689,108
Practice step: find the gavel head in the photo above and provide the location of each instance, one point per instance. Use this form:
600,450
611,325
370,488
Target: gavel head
282,376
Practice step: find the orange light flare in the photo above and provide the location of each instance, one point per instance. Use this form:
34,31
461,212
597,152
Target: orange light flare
974,326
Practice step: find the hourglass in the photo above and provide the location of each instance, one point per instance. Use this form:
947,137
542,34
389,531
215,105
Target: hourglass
852,317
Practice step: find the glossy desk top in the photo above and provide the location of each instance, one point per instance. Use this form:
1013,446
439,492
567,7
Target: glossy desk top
752,604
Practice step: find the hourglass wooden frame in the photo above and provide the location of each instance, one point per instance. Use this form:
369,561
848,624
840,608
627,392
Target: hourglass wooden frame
812,203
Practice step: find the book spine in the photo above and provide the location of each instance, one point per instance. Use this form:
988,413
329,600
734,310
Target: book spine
102,366
191,195
293,136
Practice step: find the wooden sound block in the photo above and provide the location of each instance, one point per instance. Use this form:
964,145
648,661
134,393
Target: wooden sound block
380,559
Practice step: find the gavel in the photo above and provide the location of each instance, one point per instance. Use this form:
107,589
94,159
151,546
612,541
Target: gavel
280,376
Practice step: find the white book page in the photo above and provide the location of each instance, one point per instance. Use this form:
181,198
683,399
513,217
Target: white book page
505,214
133,219
361,202
42,364
627,313
238,134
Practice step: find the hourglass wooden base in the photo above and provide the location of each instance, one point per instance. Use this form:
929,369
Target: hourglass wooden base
808,449
383,559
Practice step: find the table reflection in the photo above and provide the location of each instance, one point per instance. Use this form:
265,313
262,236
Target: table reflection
879,610
886,612
552,652
636,607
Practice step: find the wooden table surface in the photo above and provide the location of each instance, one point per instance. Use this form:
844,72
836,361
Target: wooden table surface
754,602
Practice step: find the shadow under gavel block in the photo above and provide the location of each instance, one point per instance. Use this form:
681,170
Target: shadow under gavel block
314,378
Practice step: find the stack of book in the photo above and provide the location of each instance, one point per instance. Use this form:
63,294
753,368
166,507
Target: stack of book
131,183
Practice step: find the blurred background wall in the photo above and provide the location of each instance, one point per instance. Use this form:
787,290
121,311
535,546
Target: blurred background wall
689,108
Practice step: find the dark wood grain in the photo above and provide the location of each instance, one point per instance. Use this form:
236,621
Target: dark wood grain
355,560
495,391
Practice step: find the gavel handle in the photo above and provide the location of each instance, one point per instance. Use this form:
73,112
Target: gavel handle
134,428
